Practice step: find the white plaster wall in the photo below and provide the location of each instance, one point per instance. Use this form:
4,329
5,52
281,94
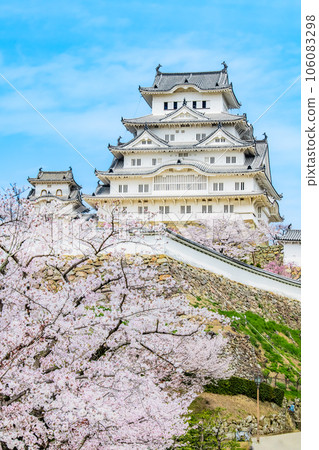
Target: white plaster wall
214,101
228,183
172,155
52,187
242,208
185,134
234,272
292,253
218,264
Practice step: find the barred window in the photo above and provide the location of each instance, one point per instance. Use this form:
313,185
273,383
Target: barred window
240,186
228,209
163,209
143,188
186,209
207,209
180,183
218,186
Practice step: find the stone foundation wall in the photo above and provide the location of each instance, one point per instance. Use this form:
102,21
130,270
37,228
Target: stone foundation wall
281,421
267,253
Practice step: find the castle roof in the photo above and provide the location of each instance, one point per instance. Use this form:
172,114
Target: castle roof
163,145
201,118
291,235
201,81
64,176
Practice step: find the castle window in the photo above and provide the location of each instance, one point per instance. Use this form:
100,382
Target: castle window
180,183
228,209
240,186
123,188
207,209
43,192
222,139
194,105
143,188
183,155
216,139
175,105
218,186
204,104
200,136
163,209
259,212
149,141
59,193
186,209
135,162
169,137
232,159
165,105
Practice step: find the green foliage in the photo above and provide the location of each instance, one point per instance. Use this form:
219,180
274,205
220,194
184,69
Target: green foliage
280,344
241,386
206,432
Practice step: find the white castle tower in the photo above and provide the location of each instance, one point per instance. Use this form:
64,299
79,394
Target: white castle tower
190,158
57,186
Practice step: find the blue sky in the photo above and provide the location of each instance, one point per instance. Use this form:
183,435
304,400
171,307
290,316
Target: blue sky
80,63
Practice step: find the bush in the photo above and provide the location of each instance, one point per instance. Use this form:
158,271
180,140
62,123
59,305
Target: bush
241,386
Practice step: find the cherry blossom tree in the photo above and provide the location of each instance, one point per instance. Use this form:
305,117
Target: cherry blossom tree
287,270
109,360
233,236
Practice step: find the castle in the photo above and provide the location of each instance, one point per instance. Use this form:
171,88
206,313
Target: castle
189,159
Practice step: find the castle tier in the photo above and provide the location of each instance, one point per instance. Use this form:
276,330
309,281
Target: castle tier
190,159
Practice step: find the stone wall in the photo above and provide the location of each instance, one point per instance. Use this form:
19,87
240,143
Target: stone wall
281,421
264,254
215,289
227,294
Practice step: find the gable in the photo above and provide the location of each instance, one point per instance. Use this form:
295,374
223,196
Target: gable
219,138
184,113
146,140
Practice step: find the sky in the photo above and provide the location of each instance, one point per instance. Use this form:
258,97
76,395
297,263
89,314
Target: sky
80,64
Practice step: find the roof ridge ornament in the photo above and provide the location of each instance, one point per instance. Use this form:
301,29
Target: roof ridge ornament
145,126
225,66
184,102
158,69
119,140
219,124
265,136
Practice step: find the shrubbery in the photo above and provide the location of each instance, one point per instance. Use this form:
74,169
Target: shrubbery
241,386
